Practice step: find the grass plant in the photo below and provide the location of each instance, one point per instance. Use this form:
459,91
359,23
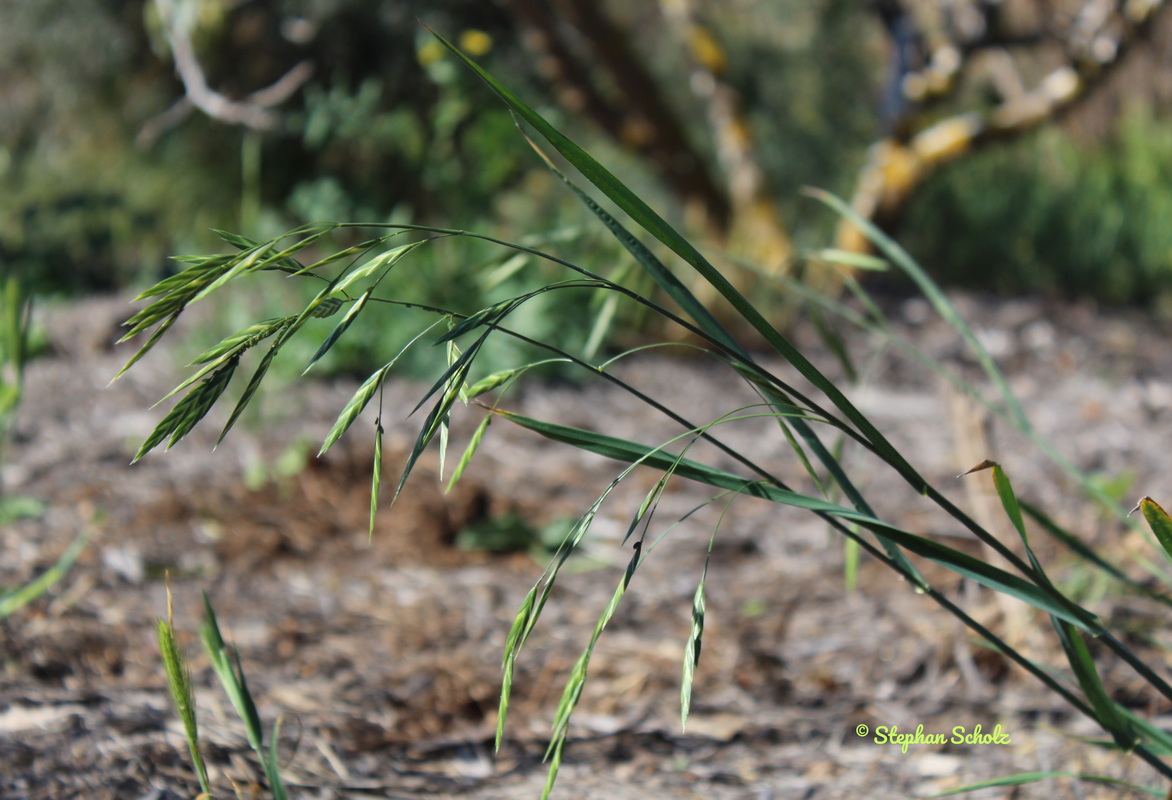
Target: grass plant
230,673
813,422
16,348
15,351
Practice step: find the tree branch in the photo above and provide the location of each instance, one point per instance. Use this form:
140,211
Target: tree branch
1094,43
255,111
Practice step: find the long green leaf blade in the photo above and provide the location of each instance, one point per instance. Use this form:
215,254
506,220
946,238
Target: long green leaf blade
955,560
1106,710
654,224
1022,778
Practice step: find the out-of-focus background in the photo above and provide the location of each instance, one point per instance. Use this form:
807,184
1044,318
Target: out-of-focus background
1015,146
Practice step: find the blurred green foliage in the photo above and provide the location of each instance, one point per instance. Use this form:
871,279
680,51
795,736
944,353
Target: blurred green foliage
1047,215
83,208
810,75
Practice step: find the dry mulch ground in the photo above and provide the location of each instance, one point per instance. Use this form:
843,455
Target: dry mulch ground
382,656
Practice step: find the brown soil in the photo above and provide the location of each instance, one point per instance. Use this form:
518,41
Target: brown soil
382,656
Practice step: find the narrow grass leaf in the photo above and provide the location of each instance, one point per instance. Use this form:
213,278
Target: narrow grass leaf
13,601
230,680
273,767
1159,521
603,322
834,342
1023,778
635,207
246,708
849,258
654,224
1156,739
444,430
1012,509
1083,665
339,329
851,552
231,675
663,277
955,560
505,270
790,416
934,294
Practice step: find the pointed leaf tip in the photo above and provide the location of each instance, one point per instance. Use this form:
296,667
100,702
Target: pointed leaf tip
986,464
1158,520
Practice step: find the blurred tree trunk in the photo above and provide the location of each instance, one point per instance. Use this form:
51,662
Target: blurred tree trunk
634,111
734,205
756,231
